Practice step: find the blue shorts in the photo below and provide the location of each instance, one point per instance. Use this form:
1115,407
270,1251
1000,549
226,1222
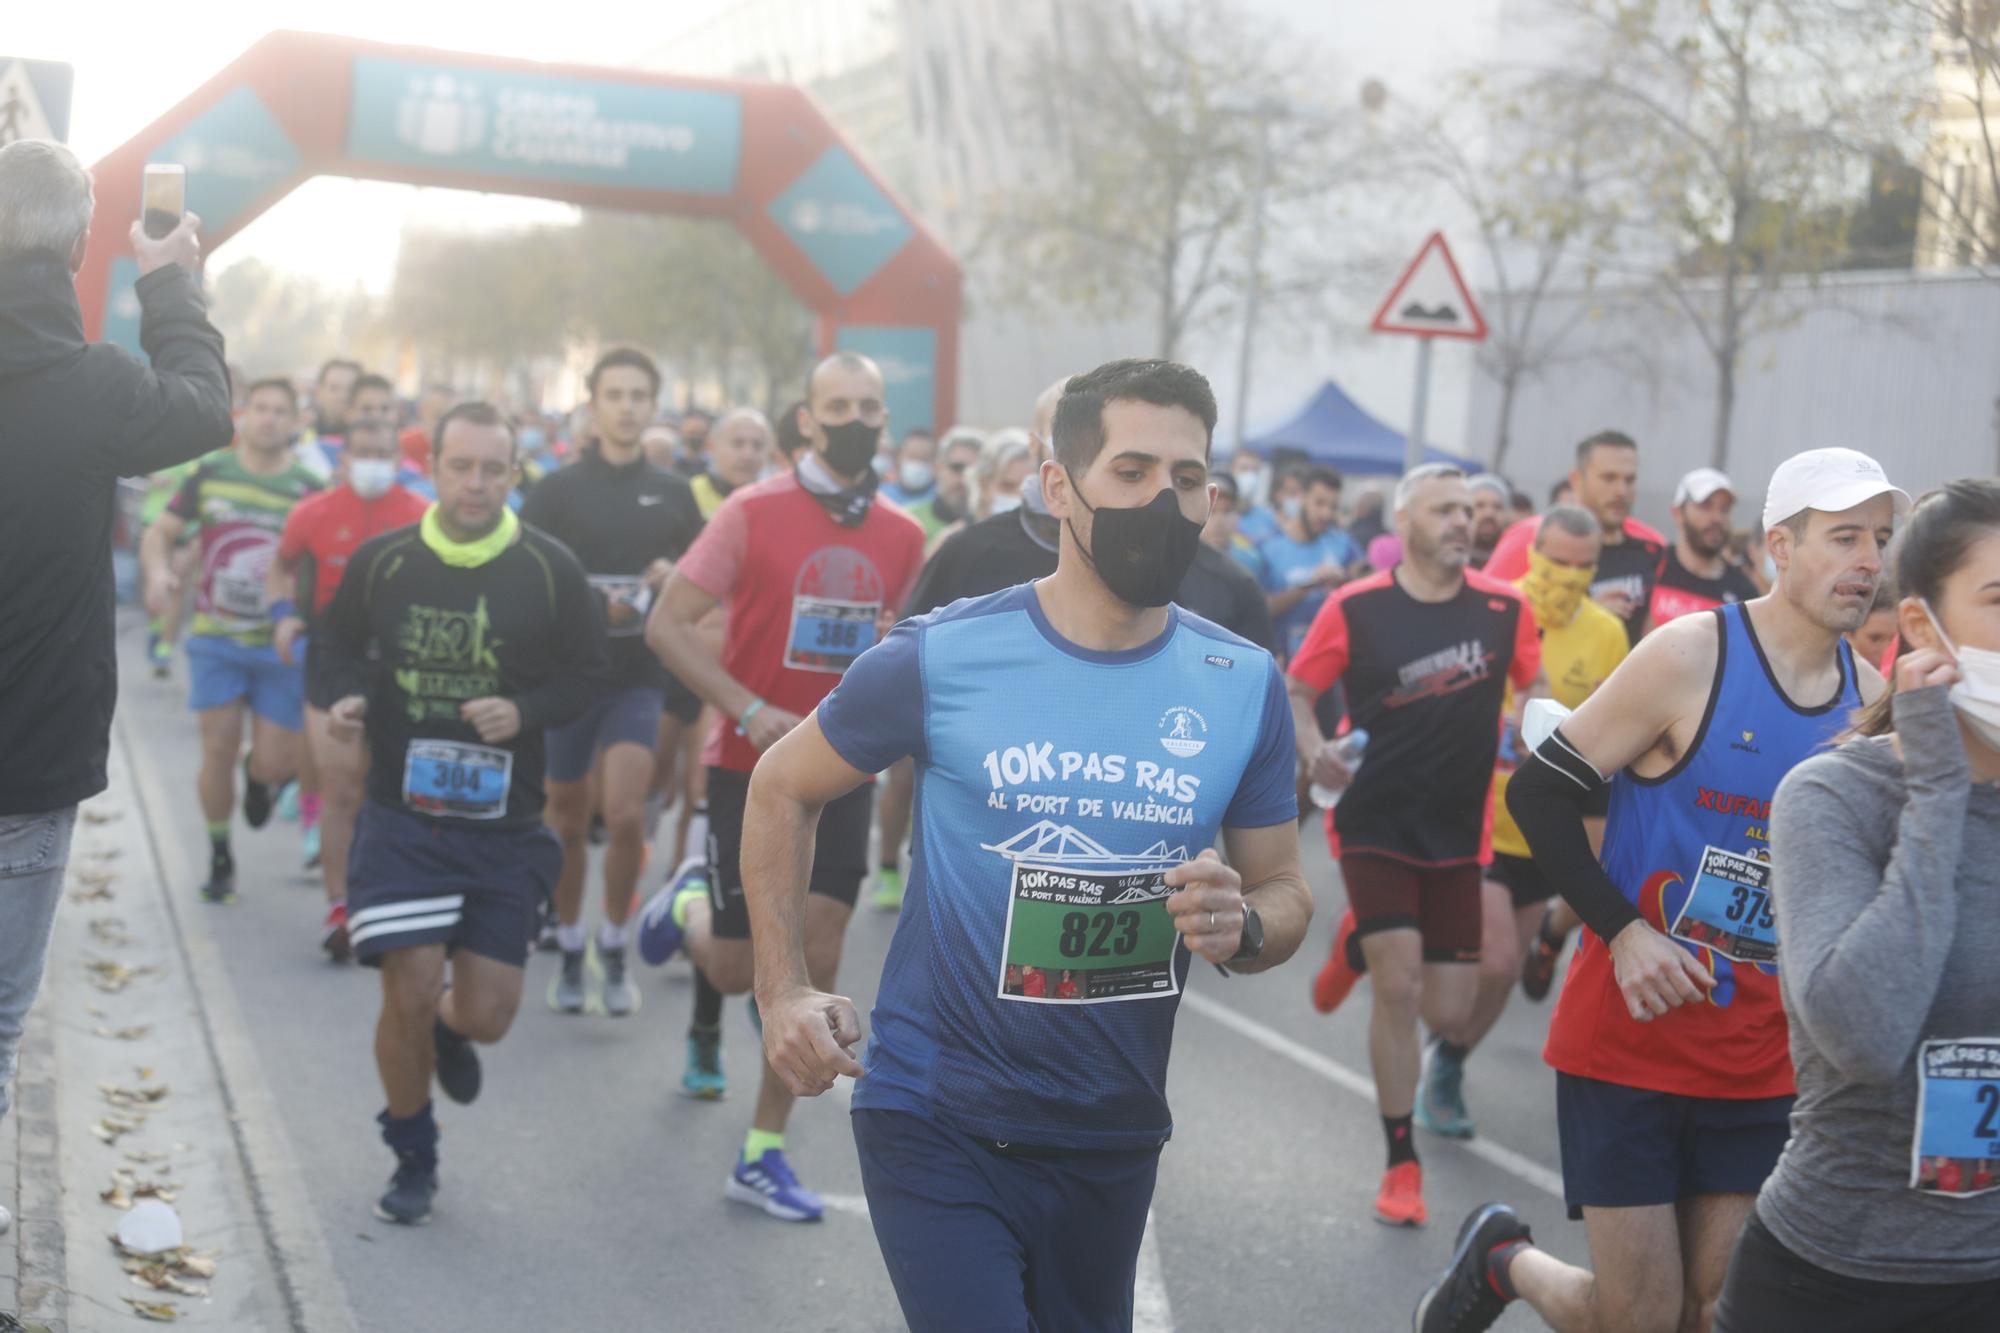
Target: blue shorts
1632,1148
221,671
630,716
979,1239
413,881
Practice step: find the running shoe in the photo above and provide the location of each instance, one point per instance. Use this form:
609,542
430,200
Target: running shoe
161,654
659,937
1337,978
1441,1095
221,886
1400,1203
1466,1299
310,847
1538,969
333,933
545,938
566,989
256,799
286,806
619,997
408,1202
703,1080
457,1066
768,1183
888,895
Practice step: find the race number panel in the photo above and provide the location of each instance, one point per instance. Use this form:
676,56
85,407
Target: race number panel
455,779
827,634
1956,1150
1087,936
1728,908
627,599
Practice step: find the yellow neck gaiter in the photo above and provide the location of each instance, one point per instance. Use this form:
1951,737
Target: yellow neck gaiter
473,554
1555,592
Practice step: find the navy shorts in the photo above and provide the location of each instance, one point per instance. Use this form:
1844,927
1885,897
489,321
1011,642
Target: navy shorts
840,849
976,1239
1522,879
627,717
413,881
1633,1148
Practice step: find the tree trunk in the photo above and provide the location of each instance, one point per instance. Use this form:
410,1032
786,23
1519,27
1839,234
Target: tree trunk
1725,408
1503,438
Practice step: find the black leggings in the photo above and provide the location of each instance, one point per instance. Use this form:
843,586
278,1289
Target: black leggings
1772,1290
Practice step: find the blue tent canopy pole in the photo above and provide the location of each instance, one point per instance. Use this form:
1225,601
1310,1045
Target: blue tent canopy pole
1330,427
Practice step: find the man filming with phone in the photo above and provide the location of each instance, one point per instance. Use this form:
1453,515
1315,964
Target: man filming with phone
74,417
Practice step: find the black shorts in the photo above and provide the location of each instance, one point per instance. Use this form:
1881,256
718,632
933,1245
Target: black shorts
840,854
1522,879
1634,1148
320,691
1772,1290
679,701
1443,902
413,881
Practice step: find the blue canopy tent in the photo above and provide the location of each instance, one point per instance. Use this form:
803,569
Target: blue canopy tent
1333,428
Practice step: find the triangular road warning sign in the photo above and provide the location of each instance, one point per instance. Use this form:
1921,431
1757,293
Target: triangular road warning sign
21,114
1431,300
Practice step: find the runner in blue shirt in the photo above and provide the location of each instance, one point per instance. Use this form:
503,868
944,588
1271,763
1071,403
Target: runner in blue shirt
1013,1107
1309,557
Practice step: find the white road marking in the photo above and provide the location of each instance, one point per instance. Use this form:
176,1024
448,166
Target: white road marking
1513,1163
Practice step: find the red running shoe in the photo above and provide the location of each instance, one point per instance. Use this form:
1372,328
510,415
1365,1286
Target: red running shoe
1337,978
1401,1200
333,933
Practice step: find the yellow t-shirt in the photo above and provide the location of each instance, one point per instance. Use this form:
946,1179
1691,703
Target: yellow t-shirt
1576,659
708,496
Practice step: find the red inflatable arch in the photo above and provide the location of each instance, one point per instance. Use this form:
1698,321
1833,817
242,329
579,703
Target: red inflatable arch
760,156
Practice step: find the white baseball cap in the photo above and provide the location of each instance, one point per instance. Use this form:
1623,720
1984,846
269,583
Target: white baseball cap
1698,485
1829,480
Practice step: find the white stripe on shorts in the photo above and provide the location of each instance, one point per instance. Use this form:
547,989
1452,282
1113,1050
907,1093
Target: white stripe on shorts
409,906
397,925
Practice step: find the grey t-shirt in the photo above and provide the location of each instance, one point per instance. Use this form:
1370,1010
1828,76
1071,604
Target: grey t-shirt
1886,881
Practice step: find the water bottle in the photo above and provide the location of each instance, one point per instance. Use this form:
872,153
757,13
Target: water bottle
1350,748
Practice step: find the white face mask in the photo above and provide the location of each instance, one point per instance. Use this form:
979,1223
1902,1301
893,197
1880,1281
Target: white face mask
914,477
1977,694
371,478
1250,486
1293,506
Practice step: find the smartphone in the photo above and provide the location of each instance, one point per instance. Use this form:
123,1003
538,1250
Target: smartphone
164,198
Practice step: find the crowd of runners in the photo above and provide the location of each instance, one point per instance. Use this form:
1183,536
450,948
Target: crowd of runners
1068,698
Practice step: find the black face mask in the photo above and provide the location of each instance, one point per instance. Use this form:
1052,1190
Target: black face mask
1141,552
850,446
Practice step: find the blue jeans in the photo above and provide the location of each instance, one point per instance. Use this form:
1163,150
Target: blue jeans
33,851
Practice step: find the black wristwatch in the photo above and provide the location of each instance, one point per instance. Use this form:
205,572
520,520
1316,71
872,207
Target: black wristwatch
1253,936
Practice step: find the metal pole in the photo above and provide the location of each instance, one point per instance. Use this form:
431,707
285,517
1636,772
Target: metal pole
1251,300
1413,450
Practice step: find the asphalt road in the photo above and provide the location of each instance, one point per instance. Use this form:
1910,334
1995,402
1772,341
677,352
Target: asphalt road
582,1192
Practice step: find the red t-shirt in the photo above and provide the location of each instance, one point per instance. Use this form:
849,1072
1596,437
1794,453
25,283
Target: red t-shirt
803,594
1427,681
1066,990
1951,1179
327,527
415,443
1034,983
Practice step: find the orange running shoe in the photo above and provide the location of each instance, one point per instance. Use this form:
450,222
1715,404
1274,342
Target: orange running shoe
1337,978
1401,1200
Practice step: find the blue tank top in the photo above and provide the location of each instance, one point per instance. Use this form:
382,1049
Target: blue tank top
1719,795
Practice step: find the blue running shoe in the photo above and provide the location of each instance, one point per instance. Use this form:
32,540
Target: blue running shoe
768,1183
703,1078
659,937
1441,1095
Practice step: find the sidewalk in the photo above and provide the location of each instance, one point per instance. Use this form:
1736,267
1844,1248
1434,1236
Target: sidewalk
137,1079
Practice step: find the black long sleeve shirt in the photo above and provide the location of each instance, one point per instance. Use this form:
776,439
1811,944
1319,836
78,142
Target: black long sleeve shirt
419,638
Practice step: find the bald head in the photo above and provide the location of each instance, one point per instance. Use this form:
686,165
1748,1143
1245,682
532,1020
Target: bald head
1044,420
737,445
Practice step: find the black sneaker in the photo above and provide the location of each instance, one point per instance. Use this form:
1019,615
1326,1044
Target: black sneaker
408,1202
1464,1300
256,799
457,1064
545,938
221,886
1538,969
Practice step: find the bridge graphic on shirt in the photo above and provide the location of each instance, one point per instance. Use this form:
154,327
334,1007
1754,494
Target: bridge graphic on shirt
1048,843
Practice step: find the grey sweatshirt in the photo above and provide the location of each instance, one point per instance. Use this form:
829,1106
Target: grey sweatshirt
1886,880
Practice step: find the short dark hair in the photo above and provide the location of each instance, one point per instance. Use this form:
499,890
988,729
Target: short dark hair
1561,485
624,356
1573,519
1604,439
1225,486
474,412
1323,474
790,438
1078,432
278,382
367,382
337,363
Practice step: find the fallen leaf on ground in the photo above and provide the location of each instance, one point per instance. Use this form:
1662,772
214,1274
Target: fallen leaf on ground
143,1157
96,893
130,1098
111,1126
111,976
199,1265
102,816
123,1034
158,1311
110,932
116,1197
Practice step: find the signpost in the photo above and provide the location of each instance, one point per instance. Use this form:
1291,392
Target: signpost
1429,301
34,99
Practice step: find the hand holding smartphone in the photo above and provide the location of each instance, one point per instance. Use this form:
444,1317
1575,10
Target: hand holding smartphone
165,233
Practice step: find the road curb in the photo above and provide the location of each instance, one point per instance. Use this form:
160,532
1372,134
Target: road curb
43,1265
315,1301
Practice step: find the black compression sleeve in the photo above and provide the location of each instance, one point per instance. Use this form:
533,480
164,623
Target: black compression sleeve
1549,796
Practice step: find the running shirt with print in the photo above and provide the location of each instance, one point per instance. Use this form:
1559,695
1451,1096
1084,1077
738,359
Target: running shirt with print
1030,990
803,593
323,530
1682,592
1630,567
1426,681
1576,659
237,516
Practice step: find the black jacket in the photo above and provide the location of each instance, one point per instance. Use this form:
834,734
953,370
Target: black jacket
74,417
